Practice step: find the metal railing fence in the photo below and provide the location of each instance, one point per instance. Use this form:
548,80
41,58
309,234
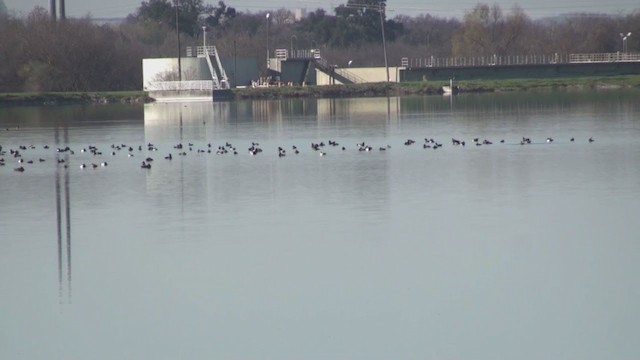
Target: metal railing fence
513,60
204,85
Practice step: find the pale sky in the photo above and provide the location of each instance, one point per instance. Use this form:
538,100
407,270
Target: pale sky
442,8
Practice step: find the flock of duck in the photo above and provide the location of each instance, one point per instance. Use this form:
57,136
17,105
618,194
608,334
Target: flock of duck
21,153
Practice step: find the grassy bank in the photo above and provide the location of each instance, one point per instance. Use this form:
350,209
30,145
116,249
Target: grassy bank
338,91
435,87
64,98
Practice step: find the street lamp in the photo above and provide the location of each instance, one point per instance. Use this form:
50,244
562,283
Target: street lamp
624,41
267,16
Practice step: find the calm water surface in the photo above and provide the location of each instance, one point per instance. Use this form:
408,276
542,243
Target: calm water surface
475,252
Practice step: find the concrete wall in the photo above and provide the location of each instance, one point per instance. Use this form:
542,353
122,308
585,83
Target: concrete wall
520,71
240,71
292,71
166,69
369,75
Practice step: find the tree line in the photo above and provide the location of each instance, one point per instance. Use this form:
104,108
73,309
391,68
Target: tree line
38,54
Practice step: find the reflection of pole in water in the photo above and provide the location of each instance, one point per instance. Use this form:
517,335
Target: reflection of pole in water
67,207
61,168
59,223
181,170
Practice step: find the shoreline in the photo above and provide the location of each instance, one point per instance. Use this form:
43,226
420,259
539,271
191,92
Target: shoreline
332,91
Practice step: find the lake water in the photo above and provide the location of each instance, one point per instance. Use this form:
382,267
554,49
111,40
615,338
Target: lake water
476,252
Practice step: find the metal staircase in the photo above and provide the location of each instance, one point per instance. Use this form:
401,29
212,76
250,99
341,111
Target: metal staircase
341,74
218,75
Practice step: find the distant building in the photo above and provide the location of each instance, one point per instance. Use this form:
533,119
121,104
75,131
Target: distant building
299,14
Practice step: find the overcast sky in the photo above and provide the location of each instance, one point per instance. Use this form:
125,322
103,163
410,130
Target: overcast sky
442,8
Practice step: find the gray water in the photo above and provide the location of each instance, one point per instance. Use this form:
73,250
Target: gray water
475,252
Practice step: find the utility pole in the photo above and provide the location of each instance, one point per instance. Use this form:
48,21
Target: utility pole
178,35
384,43
52,9
62,10
380,8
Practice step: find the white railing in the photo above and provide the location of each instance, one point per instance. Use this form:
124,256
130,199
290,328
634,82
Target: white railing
603,57
214,76
225,80
511,60
203,85
282,54
221,82
493,60
351,76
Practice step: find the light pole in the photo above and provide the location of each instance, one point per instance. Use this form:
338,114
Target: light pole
204,38
267,16
624,41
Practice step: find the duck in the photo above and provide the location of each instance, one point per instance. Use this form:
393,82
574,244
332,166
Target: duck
103,164
19,169
549,139
145,165
591,139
